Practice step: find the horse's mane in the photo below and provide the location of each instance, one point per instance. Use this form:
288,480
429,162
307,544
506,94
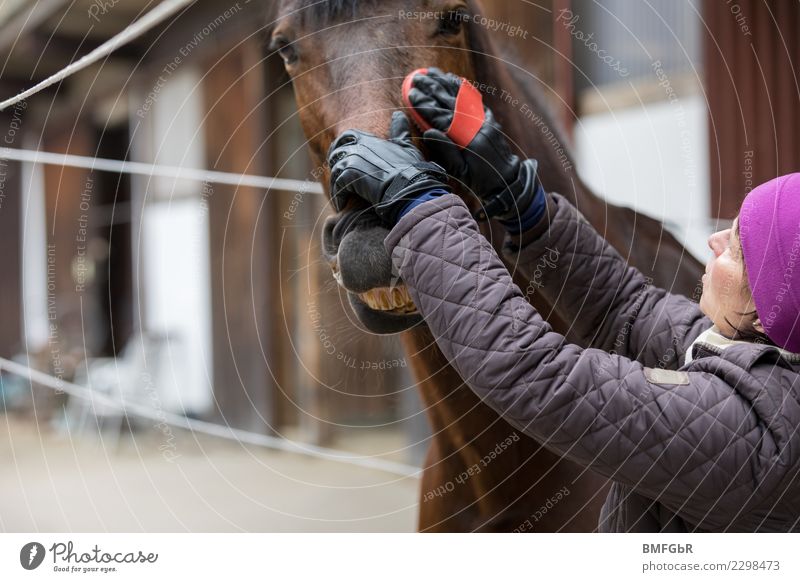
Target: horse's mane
496,65
318,13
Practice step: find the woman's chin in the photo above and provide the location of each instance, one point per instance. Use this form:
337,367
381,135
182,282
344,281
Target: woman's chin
708,309
703,304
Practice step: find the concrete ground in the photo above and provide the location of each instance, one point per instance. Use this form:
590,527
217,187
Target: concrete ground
54,482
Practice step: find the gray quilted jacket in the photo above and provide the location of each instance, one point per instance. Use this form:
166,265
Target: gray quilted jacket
711,445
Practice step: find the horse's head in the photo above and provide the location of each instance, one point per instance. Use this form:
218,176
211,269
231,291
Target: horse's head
347,60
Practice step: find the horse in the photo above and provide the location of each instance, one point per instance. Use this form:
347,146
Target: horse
346,60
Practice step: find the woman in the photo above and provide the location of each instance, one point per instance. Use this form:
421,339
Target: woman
691,410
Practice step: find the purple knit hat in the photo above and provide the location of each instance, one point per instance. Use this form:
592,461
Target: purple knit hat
769,229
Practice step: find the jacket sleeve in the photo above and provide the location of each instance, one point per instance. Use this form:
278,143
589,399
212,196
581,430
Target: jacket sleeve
608,304
690,440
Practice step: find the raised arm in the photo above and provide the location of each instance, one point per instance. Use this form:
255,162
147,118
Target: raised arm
609,305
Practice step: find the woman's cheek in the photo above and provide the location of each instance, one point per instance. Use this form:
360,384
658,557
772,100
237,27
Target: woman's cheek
725,281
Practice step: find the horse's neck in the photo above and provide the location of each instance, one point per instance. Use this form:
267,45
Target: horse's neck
533,129
437,379
454,410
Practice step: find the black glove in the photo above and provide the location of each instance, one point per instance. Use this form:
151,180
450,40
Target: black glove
505,185
387,173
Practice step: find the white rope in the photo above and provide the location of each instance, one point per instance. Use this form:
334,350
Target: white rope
209,428
140,168
150,20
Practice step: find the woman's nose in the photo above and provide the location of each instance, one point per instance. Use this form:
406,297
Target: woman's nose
716,242
711,244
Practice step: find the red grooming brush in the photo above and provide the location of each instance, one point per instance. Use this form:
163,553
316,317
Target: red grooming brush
468,117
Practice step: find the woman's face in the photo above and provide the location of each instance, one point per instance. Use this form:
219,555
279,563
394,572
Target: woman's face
726,295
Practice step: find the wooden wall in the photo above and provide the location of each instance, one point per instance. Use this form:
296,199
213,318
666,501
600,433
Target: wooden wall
243,387
10,242
64,189
752,53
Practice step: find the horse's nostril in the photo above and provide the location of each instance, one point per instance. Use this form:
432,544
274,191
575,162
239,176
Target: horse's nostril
335,159
344,140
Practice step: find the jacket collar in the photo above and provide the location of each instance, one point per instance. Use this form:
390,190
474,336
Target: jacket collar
712,340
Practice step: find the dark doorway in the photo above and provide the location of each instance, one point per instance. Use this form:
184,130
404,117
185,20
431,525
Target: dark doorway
111,245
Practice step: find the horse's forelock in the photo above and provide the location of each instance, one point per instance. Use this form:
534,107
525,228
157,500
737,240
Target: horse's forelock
320,13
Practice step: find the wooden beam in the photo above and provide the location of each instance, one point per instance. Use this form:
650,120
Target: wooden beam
10,241
70,48
563,68
28,20
244,390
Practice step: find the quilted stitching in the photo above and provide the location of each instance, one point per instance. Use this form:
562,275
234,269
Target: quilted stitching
711,451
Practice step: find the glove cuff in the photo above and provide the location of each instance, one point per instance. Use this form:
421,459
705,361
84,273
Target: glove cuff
530,217
430,195
408,185
512,201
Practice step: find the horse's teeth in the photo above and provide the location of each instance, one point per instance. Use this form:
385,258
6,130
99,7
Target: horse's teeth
389,299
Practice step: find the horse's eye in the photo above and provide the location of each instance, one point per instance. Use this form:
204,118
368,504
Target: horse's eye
451,22
285,49
288,54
